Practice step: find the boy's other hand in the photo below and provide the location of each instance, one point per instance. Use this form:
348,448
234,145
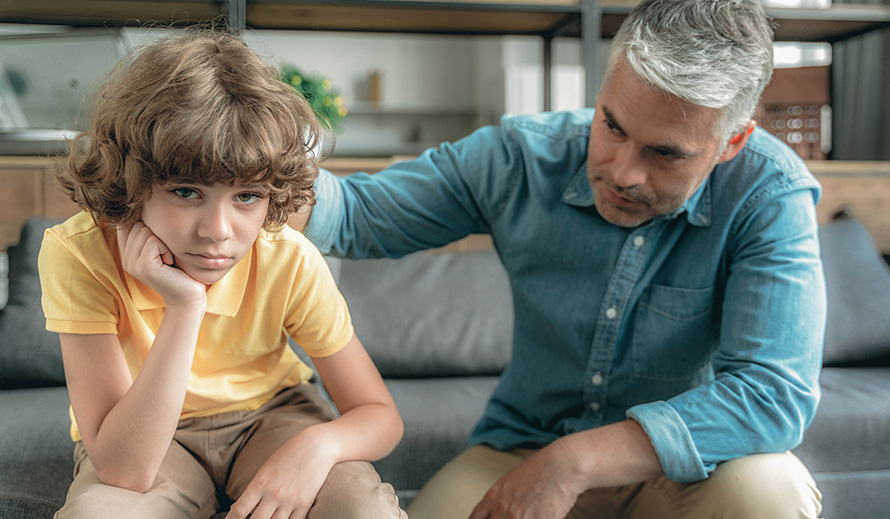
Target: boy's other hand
148,259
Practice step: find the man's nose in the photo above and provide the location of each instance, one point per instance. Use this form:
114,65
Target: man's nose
628,170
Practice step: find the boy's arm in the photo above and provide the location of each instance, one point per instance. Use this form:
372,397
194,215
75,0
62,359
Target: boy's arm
127,424
368,429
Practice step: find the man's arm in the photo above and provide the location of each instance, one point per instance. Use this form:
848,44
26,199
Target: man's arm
765,390
550,481
442,196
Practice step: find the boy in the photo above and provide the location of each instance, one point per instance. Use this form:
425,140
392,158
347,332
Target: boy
176,289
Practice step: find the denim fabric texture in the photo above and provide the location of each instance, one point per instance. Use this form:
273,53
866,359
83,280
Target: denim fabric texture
705,325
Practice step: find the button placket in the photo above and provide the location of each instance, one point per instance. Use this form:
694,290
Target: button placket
624,277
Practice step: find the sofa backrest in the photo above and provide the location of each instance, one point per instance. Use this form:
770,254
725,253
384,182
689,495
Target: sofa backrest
857,280
30,356
431,313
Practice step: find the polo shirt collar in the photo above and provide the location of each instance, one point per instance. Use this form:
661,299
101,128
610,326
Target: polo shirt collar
223,298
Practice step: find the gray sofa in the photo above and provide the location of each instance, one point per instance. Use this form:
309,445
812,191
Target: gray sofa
438,325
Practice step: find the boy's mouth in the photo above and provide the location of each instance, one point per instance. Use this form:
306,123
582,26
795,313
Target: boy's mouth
212,261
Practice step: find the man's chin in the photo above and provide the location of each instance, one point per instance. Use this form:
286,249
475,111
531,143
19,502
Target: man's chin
619,217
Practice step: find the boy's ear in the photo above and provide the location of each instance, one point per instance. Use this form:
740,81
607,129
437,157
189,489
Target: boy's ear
735,143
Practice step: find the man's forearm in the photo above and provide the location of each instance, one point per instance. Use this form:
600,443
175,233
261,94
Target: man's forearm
612,455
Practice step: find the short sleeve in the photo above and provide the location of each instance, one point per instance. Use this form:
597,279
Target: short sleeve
318,318
74,299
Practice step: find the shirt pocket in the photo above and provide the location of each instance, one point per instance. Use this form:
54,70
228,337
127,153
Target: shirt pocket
673,333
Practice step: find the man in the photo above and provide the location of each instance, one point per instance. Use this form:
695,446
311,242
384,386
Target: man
668,293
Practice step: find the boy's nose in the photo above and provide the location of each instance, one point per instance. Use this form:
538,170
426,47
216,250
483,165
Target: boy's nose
215,225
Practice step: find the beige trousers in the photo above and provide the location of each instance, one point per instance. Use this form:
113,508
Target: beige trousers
212,459
762,486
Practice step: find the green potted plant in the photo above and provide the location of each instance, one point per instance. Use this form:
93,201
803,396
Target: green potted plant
326,102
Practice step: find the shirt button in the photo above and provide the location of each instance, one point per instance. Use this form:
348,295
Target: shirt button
612,312
594,406
597,378
639,241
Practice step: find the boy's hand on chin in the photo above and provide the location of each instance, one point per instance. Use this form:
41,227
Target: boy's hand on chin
149,260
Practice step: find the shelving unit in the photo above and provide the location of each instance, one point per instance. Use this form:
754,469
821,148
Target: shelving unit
590,20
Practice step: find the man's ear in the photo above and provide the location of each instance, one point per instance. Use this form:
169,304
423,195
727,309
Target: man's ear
735,143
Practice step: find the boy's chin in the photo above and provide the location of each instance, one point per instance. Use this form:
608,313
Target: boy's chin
208,277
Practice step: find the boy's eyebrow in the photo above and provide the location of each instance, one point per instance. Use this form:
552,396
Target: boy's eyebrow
256,186
664,149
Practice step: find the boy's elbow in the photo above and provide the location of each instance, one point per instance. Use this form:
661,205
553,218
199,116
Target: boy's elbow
133,480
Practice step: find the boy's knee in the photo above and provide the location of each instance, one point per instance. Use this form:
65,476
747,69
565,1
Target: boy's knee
762,486
354,489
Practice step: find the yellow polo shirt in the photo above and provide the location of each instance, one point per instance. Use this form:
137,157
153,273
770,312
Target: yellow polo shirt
281,288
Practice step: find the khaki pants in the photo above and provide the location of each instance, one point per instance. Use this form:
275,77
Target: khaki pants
212,459
761,486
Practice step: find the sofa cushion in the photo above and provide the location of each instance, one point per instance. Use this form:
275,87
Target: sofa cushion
852,424
858,284
439,414
36,451
432,313
30,356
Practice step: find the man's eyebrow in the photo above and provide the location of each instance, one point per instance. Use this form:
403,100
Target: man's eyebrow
610,118
674,152
666,150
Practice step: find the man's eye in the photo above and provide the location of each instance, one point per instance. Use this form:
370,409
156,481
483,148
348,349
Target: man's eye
667,154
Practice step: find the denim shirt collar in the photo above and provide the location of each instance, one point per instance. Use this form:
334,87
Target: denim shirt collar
697,207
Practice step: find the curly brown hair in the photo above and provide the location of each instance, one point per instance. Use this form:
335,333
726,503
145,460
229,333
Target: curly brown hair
198,107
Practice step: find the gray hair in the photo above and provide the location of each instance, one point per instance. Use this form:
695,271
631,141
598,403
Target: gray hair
712,53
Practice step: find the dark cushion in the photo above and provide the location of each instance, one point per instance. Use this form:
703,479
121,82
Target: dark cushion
36,451
439,414
432,313
858,284
30,356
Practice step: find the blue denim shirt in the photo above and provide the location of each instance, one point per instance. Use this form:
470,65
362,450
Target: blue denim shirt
705,325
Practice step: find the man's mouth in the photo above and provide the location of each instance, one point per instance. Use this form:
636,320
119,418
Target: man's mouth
617,199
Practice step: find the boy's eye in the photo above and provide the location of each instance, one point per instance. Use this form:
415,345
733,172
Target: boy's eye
249,198
184,192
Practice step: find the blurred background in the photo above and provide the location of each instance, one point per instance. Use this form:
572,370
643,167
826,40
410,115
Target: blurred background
414,73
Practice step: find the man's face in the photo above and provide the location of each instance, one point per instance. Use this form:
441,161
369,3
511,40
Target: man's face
207,228
648,151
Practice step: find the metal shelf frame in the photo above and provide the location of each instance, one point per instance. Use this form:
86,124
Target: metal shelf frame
591,20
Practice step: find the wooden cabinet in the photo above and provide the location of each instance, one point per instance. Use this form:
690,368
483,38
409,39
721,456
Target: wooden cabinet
28,187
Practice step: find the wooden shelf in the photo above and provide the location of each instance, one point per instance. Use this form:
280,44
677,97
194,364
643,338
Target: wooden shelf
494,17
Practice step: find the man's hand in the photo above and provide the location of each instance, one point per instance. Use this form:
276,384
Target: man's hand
542,486
549,482
149,260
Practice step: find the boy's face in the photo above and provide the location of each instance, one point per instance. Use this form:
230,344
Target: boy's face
207,228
